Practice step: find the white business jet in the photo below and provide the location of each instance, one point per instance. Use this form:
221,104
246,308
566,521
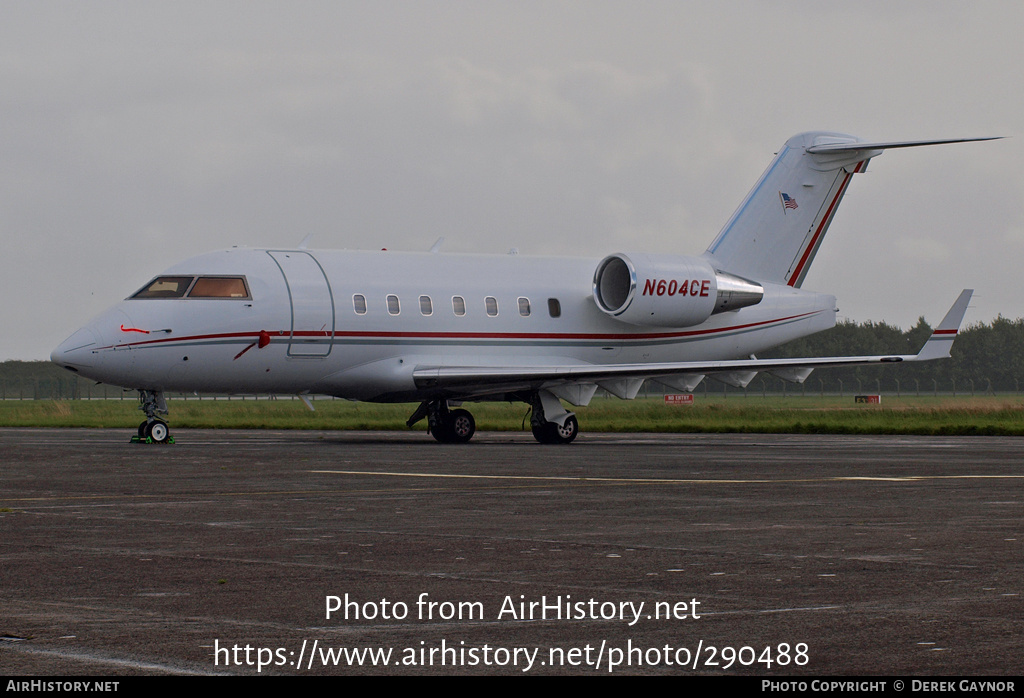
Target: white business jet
444,329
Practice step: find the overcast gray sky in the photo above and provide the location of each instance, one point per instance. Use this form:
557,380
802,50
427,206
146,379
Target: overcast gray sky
134,135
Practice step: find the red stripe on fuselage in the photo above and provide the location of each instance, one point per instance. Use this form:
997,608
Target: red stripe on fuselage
470,335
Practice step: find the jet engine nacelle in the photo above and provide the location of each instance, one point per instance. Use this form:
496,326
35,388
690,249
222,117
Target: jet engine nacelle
668,291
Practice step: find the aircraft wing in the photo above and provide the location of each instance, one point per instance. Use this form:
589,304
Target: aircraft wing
487,380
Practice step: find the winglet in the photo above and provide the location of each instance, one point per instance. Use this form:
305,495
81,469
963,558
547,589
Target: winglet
941,341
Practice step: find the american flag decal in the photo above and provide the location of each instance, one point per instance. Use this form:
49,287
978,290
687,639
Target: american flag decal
788,202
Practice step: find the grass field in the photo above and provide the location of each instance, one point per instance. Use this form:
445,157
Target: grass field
999,415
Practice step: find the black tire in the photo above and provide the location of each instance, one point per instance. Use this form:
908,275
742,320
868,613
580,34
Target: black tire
458,428
542,432
441,433
566,433
552,433
461,426
142,429
158,432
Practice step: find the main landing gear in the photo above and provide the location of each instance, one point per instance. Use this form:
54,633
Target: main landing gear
153,430
446,426
554,433
549,421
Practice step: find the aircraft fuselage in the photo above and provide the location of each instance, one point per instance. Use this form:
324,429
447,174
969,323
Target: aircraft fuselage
355,324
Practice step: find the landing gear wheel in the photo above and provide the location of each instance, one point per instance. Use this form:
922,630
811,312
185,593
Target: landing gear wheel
567,432
142,429
158,432
540,432
552,433
461,426
457,427
441,433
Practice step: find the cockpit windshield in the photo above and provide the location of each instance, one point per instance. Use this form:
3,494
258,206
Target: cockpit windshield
219,287
192,287
165,287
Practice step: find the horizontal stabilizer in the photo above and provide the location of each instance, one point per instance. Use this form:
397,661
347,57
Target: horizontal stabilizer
853,147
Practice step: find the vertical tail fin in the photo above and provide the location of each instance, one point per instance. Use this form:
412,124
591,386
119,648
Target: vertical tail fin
775,233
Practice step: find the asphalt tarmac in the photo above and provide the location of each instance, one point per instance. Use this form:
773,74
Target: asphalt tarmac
311,553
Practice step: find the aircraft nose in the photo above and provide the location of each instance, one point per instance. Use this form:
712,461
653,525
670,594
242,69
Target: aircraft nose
77,350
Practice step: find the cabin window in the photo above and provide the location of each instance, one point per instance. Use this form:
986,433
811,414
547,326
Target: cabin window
359,304
491,304
524,307
394,307
165,287
459,305
219,287
554,307
426,307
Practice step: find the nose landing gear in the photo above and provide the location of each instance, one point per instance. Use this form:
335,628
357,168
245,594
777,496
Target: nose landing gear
153,430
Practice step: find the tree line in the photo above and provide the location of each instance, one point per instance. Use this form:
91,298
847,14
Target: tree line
985,357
